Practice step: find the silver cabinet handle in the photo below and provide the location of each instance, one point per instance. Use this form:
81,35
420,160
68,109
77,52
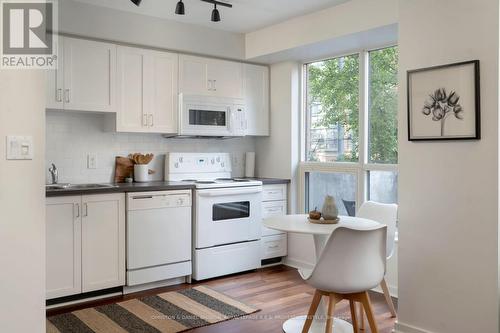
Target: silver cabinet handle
77,206
66,95
215,85
273,247
144,120
86,210
209,85
151,120
59,95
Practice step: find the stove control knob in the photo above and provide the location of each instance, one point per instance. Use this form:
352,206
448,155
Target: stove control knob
218,159
180,201
222,164
176,165
213,161
181,160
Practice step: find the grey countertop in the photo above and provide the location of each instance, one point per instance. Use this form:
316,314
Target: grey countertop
145,187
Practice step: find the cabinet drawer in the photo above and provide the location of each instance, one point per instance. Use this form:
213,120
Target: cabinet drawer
273,246
273,208
270,209
274,192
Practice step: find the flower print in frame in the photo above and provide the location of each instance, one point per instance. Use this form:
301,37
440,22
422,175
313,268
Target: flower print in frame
444,102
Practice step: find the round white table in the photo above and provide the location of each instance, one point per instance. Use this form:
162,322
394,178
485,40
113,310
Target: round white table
320,232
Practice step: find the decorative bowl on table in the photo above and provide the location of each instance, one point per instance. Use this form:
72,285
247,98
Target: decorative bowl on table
317,217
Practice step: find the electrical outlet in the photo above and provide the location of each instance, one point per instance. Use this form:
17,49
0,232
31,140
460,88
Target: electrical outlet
91,161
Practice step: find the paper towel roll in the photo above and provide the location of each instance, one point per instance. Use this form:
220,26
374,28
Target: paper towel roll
250,164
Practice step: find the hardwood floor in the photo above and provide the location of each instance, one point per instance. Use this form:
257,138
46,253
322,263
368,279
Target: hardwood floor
279,291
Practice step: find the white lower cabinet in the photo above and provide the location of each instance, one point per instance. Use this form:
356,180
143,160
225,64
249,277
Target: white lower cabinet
63,246
85,249
273,246
274,203
103,241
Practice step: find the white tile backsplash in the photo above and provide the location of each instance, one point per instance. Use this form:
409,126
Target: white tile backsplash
71,136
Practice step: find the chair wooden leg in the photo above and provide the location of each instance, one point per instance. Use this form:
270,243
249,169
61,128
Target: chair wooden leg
329,316
312,311
388,298
361,317
354,317
369,312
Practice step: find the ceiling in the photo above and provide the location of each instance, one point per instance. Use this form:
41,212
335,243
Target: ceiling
245,16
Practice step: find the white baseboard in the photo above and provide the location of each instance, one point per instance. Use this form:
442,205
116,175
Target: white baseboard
405,328
298,264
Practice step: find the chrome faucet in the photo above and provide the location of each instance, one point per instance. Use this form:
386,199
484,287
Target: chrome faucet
54,173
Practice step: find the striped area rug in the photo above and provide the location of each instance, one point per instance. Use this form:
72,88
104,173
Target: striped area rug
175,311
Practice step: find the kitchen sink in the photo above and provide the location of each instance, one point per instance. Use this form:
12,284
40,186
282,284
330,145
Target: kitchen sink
78,186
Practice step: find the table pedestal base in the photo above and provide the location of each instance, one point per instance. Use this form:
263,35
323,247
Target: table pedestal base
295,325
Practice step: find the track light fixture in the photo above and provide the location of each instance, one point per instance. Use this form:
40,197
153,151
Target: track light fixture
180,10
215,14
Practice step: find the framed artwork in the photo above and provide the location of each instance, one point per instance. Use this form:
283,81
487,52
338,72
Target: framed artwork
444,102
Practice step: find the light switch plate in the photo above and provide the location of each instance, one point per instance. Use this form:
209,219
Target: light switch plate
91,161
19,147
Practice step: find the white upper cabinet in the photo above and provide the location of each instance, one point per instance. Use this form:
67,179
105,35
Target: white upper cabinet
256,88
63,246
103,241
210,77
55,80
131,113
162,77
86,76
89,75
147,91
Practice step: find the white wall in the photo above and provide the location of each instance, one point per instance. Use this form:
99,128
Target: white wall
278,154
22,205
105,23
448,191
71,136
348,18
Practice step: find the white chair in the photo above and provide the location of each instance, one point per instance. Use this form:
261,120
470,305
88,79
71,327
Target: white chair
351,263
385,214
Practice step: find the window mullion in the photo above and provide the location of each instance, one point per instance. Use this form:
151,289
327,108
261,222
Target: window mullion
363,127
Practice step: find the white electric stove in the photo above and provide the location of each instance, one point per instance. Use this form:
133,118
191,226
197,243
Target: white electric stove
226,213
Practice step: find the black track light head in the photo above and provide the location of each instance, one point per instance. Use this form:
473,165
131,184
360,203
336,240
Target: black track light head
179,9
136,2
215,14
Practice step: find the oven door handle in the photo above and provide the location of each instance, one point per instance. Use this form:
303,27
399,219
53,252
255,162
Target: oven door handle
232,191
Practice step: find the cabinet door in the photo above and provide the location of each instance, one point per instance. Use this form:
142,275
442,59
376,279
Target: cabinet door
89,75
256,88
103,241
161,87
55,81
63,247
226,77
131,115
193,79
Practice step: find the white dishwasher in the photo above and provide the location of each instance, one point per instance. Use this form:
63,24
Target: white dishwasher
158,236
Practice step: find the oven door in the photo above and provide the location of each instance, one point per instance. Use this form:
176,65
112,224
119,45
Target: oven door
227,215
205,119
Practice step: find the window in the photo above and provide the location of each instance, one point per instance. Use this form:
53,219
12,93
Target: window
333,103
350,129
342,186
383,106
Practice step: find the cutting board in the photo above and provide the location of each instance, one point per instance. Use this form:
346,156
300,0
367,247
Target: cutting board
124,167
